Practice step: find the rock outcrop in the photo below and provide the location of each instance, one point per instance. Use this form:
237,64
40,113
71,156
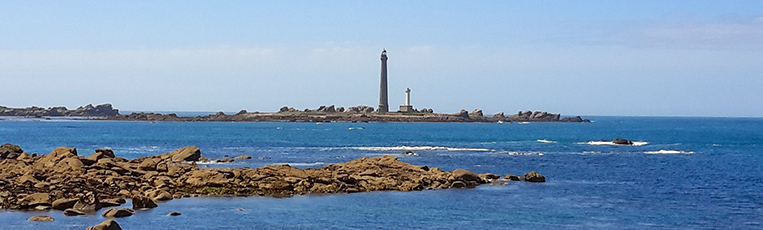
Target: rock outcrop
65,181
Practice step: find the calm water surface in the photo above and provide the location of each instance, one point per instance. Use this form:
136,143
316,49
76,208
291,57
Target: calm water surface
692,173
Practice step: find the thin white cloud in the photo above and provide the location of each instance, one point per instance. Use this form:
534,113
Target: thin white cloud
714,36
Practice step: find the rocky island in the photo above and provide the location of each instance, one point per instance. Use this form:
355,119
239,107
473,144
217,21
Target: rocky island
288,114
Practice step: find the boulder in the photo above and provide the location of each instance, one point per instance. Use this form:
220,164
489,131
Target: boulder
118,212
463,113
64,203
190,153
36,199
140,202
534,177
174,214
241,157
477,113
41,218
73,212
511,177
106,152
105,225
159,194
621,141
10,151
88,203
488,177
51,160
466,176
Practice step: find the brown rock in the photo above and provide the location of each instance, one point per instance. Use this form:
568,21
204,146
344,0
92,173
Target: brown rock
105,225
488,177
73,212
41,218
466,176
106,152
190,153
64,203
242,157
174,214
88,203
118,212
139,202
10,151
36,199
208,178
534,177
159,194
55,156
149,164
511,177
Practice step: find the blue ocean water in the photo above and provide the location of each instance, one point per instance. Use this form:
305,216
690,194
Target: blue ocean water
686,173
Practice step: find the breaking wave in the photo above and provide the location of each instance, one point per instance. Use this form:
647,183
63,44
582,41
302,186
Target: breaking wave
421,148
664,151
545,141
513,153
635,143
302,164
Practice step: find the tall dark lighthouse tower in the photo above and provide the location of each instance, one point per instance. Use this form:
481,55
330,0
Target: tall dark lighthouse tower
383,102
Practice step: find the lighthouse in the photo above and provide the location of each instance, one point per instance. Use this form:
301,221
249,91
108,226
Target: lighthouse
383,99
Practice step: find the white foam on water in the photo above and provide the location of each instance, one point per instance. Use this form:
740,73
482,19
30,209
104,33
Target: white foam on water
421,148
545,141
514,153
664,151
302,164
635,143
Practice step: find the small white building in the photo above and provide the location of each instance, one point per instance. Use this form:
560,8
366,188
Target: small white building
407,107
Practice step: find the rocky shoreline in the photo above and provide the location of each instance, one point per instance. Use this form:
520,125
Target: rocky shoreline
287,114
81,185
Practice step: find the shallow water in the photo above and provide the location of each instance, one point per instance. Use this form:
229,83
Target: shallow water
692,173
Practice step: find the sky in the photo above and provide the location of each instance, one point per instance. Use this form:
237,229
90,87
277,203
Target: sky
613,58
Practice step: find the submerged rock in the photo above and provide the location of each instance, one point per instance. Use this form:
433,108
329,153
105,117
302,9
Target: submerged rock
41,219
534,177
118,212
174,214
621,141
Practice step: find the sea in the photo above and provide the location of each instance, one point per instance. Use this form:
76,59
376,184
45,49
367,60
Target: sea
681,173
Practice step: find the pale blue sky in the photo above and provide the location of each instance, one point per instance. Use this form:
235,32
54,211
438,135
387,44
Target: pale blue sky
647,58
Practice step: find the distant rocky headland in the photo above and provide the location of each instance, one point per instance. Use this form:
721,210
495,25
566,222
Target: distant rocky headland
104,110
288,114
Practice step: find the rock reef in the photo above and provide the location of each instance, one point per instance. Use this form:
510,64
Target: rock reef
360,113
64,180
